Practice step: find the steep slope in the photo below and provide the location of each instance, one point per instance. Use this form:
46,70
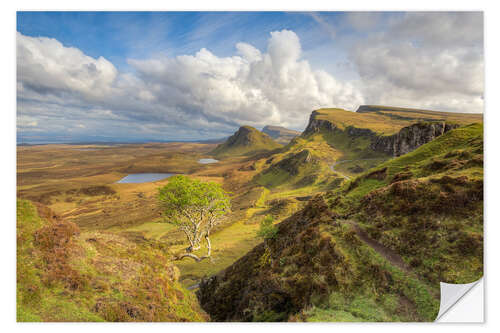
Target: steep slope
316,268
67,275
374,249
280,134
426,205
246,141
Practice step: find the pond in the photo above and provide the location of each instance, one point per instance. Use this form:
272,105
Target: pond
144,177
207,160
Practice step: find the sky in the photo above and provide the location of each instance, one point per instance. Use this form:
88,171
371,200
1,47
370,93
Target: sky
167,76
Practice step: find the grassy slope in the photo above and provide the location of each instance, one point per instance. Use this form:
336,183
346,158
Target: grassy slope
288,170
246,141
331,146
426,205
389,120
65,275
316,270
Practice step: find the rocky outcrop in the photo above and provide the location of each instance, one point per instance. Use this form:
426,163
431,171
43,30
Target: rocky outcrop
315,125
410,138
406,140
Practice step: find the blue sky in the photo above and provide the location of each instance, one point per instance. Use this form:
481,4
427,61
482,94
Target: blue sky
118,36
134,76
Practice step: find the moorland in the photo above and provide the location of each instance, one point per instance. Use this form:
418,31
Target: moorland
370,210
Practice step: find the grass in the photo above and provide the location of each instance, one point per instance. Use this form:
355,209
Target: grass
228,245
315,270
426,205
120,270
246,141
389,120
66,275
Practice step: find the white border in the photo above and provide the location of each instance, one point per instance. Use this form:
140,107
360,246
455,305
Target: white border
492,166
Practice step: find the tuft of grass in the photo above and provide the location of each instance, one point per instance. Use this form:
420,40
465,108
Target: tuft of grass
67,275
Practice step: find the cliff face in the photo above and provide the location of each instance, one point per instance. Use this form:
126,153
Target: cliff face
406,140
410,138
315,125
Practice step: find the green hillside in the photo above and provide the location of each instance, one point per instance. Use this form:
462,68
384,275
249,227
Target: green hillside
373,249
67,275
426,205
386,120
246,141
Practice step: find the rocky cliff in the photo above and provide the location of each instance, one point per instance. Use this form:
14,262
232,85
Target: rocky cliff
410,138
406,140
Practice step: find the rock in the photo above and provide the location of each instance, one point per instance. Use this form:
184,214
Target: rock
410,138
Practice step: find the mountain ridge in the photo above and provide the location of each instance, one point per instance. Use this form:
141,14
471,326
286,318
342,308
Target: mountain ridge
246,140
280,134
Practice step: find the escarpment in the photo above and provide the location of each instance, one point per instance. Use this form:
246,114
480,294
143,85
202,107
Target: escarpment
404,141
410,138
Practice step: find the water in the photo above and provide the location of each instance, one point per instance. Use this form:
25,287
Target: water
207,160
144,177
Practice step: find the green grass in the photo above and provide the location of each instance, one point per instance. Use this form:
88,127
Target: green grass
246,141
94,276
389,120
228,245
151,230
426,205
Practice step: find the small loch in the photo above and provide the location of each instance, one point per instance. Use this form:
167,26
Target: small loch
207,160
144,177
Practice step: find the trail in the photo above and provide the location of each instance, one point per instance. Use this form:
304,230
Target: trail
390,255
384,251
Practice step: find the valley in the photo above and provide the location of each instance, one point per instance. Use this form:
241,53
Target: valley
371,208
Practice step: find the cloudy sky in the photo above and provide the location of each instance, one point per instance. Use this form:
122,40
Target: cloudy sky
186,76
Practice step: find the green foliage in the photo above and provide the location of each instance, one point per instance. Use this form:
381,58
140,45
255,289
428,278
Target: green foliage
185,198
194,206
267,230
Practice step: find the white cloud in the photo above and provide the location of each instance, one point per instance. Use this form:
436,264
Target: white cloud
188,95
253,88
45,65
430,60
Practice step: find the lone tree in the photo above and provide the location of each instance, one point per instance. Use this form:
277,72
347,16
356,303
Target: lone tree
196,207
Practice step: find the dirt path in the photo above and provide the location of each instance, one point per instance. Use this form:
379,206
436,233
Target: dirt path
384,251
390,255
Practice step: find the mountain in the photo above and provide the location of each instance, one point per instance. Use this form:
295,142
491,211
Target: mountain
345,143
374,248
280,134
246,141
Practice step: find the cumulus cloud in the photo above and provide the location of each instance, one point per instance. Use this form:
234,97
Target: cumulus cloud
195,95
275,87
46,66
430,60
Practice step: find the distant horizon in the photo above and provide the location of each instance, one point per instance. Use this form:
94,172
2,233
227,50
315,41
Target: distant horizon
188,76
